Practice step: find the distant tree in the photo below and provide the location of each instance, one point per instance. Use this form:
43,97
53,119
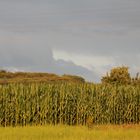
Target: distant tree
118,75
74,78
2,71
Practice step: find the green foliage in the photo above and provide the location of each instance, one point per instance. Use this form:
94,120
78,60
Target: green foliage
118,75
68,103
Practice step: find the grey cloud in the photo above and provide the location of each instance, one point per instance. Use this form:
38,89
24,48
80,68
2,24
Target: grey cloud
58,13
35,55
30,30
104,45
70,68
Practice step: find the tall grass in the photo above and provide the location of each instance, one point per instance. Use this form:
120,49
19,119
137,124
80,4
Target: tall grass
72,104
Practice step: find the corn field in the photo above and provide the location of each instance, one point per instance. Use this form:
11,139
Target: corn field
72,104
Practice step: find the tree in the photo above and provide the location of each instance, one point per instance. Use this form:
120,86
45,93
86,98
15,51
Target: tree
74,78
118,75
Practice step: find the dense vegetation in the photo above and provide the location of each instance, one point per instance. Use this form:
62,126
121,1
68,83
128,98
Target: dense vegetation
120,76
69,103
42,98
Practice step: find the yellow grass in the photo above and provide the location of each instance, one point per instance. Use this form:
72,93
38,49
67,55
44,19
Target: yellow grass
61,132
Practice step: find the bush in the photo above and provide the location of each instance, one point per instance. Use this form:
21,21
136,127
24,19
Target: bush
118,75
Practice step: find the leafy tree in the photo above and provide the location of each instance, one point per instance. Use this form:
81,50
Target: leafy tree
118,75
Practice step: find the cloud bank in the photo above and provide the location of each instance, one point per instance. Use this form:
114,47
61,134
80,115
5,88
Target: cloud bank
70,36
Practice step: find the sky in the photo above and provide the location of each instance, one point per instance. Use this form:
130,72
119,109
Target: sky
78,37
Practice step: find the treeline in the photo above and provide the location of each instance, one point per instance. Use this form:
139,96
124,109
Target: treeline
117,75
13,77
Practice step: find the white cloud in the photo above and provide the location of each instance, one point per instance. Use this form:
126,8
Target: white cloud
87,61
97,64
13,69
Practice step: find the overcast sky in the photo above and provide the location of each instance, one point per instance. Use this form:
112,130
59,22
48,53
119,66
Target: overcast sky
82,37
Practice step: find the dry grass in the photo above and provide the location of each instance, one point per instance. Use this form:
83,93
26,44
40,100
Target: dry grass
61,132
